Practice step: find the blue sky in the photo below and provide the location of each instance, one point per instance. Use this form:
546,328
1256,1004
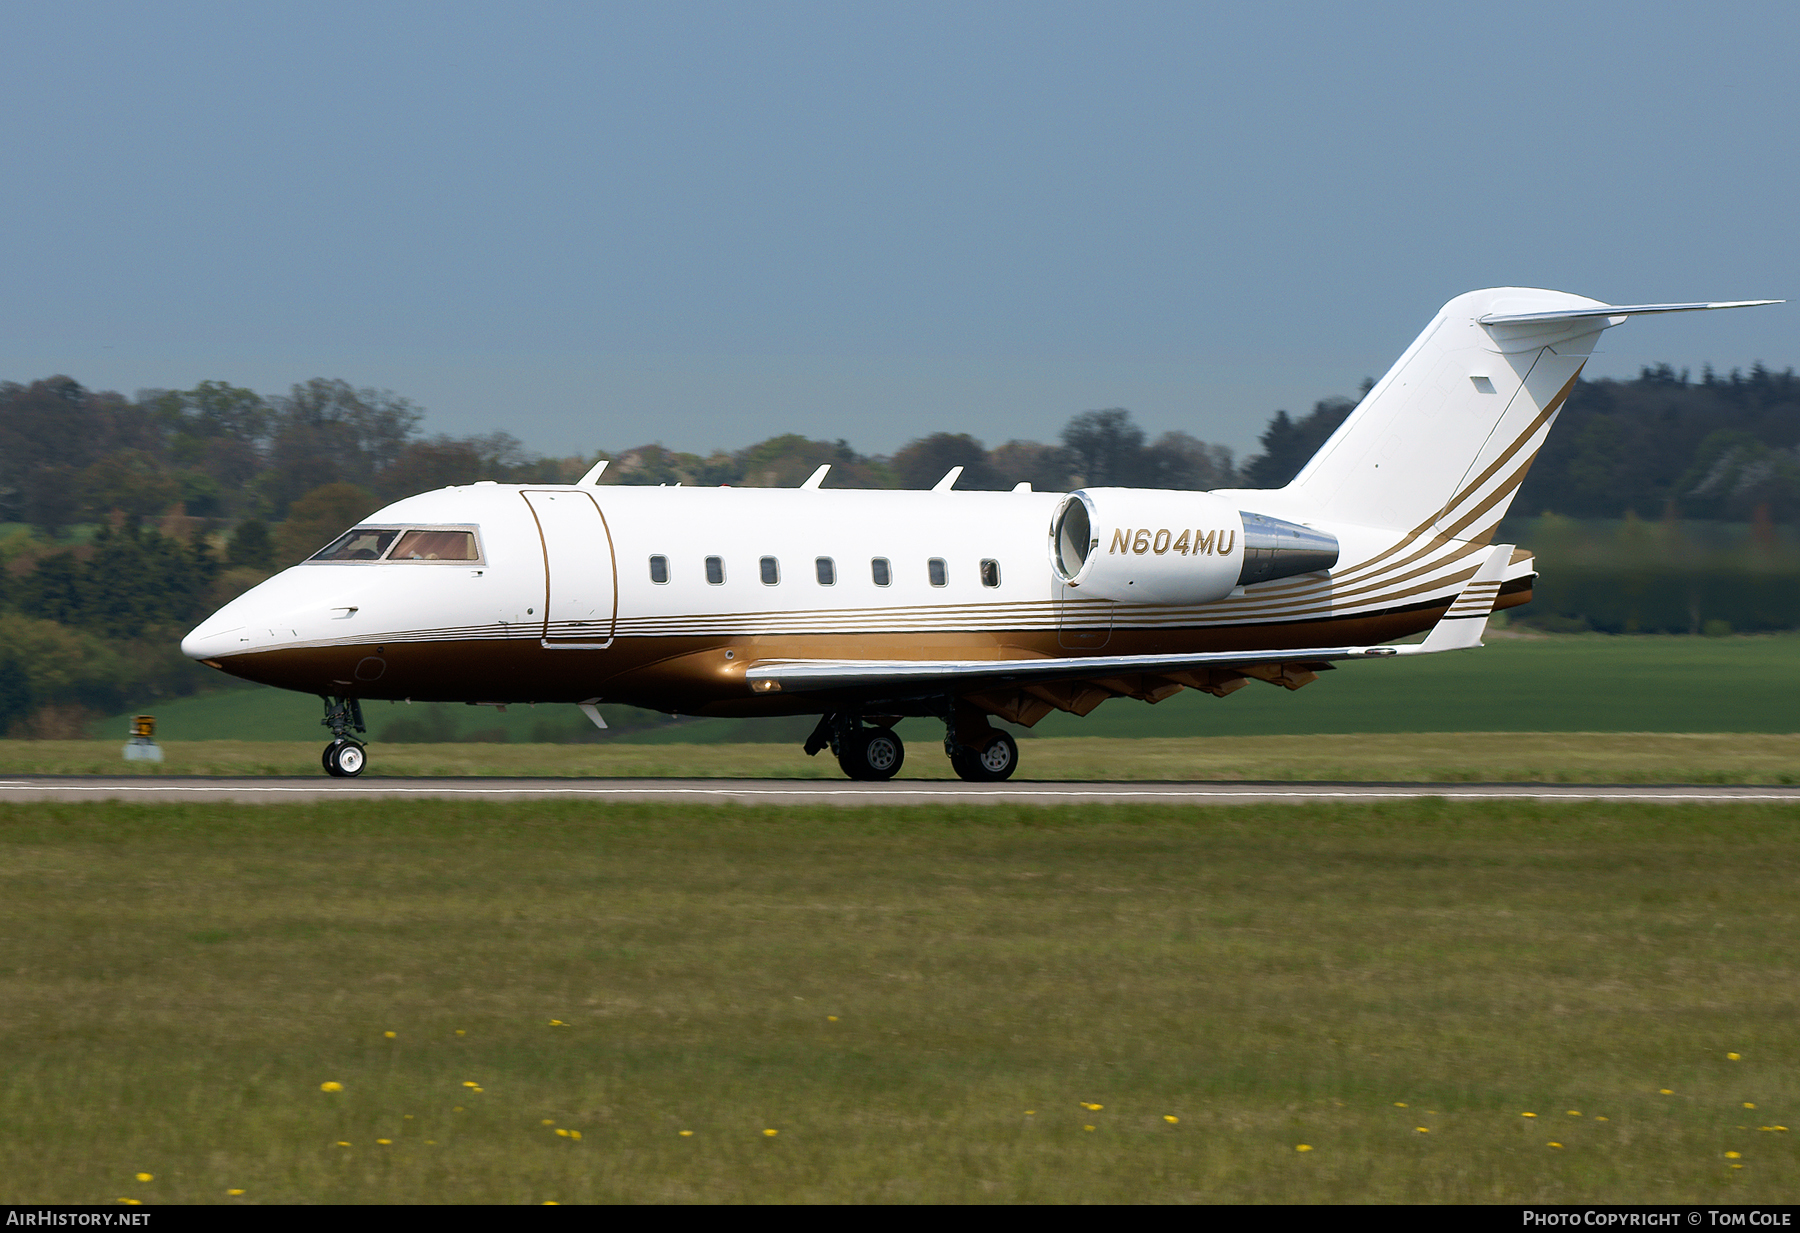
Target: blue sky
600,225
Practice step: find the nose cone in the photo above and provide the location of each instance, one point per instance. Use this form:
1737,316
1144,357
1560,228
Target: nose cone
213,638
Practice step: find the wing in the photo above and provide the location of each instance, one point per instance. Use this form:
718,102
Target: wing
1460,627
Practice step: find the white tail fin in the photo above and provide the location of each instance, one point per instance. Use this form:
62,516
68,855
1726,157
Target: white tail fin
1447,435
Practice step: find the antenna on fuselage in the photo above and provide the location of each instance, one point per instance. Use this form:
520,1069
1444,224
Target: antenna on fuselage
949,480
817,477
593,473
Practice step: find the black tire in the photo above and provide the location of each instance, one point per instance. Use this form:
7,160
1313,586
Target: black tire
872,754
344,759
993,764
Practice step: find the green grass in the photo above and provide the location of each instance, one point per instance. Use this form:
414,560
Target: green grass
1538,683
177,982
1454,757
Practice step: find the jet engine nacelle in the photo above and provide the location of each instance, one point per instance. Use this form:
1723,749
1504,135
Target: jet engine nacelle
1149,546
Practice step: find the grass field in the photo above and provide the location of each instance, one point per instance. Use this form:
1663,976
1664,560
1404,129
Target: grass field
1538,683
968,1005
1493,757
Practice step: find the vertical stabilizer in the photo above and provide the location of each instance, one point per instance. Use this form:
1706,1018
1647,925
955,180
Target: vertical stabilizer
1444,440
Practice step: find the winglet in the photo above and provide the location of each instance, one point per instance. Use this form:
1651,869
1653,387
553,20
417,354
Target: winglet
1466,620
593,474
817,477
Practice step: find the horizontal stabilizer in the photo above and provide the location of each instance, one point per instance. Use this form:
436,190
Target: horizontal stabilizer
1615,310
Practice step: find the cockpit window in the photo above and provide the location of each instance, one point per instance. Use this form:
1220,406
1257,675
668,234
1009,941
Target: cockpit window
435,546
358,544
361,544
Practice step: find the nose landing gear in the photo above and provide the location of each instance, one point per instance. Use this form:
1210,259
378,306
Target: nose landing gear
344,758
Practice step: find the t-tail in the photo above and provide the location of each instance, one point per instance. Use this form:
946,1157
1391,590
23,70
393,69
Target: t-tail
1441,444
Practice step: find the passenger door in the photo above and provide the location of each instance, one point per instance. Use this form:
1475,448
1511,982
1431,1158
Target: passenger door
581,582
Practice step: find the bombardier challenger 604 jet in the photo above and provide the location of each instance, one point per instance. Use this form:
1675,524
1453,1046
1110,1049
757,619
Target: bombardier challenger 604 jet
864,607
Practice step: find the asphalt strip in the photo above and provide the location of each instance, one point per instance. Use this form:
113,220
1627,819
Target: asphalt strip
901,793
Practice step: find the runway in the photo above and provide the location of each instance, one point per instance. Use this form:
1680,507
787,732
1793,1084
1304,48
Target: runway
270,791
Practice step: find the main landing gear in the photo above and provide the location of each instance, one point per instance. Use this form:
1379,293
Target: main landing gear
345,757
869,749
869,753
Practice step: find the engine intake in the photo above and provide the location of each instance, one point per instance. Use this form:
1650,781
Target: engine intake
1149,546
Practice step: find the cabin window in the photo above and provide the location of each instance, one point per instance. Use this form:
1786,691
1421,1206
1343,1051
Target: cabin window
715,570
935,568
881,571
435,546
659,569
359,544
990,573
827,571
771,571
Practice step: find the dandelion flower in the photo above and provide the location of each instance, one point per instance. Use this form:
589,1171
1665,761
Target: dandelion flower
385,1142
1087,1127
1603,1119
1171,1119
1574,1112
131,1202
1092,1108
470,1083
1734,1155
234,1192
458,1109
558,1023
1031,1113
1527,1115
1399,1104
1303,1147
431,1143
391,1035
331,1085
549,1203
1737,1166
549,1121
1666,1091
1782,1129
1424,1130
1734,1057
460,1032
770,1134
146,1177
575,1135
1748,1105
831,1018
687,1134
1552,1144
561,1133
343,1143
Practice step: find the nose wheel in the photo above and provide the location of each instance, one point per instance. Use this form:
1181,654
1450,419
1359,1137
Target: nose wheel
344,758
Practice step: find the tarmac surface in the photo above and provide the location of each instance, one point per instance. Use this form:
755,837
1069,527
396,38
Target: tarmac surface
147,789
